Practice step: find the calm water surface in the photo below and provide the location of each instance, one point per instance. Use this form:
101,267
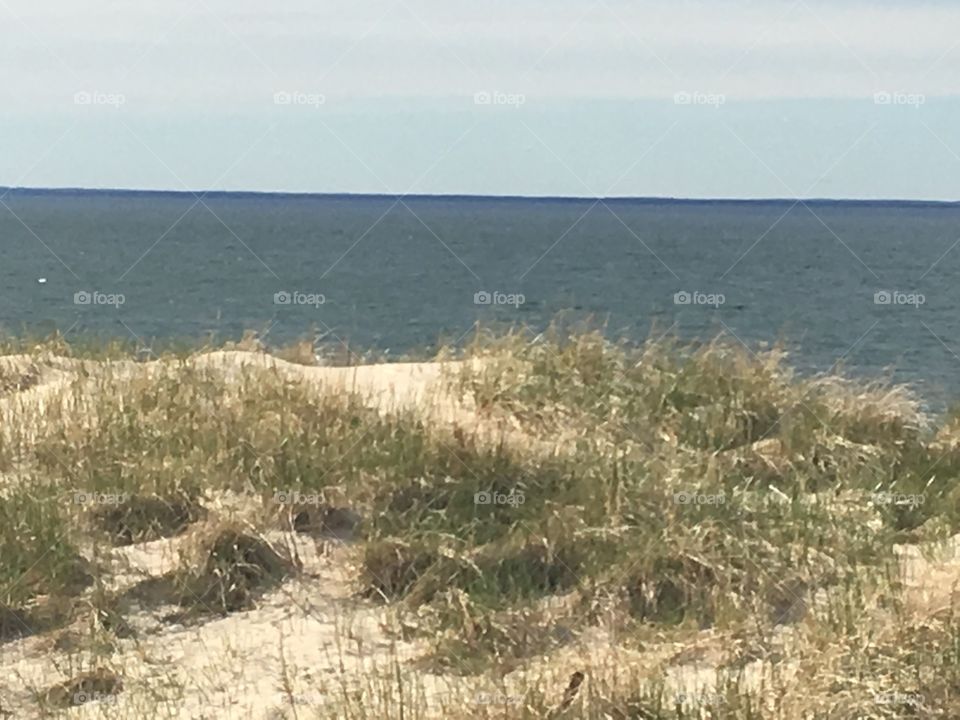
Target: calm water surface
403,274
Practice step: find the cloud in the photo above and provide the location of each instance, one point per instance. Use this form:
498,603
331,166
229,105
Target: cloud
220,53
183,93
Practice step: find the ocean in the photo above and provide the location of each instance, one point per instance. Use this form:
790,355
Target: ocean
867,286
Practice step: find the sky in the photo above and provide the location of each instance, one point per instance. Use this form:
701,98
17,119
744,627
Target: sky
726,99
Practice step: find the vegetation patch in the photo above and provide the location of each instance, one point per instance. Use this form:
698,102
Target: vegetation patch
34,618
38,557
143,518
326,521
100,686
668,491
18,377
229,570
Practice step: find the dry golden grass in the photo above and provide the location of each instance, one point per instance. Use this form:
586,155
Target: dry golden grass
559,527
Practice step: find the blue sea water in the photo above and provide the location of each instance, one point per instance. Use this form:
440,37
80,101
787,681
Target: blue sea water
869,285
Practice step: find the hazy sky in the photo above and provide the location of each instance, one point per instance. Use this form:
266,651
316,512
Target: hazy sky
530,97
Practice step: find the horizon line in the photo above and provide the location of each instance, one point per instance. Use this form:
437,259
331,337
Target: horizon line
70,190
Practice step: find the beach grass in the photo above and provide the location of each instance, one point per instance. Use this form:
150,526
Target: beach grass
663,495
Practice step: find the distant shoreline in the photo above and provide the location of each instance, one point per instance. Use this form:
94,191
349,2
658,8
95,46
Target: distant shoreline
285,195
